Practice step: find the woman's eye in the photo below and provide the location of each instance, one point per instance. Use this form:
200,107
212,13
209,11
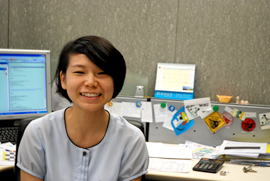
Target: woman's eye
79,72
100,73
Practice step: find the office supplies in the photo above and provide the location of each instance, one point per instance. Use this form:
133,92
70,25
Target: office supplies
257,162
7,154
175,81
160,150
169,165
208,165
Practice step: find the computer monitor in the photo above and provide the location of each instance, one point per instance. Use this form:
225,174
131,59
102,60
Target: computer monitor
25,83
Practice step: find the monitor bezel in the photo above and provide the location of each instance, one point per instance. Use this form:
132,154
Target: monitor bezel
48,82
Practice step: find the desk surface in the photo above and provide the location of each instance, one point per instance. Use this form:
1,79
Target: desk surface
234,173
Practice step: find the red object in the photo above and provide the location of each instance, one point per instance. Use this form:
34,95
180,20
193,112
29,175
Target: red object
228,118
248,125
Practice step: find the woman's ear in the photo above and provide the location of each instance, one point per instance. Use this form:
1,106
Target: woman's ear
63,80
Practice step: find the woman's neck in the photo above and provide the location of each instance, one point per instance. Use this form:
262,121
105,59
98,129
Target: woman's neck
86,129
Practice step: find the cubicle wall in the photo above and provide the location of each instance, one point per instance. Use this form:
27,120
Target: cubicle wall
199,132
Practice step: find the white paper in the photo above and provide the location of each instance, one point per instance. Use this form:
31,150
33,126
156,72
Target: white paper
147,115
131,110
264,120
116,108
248,115
7,154
169,165
196,107
200,151
242,149
160,113
167,123
229,110
159,150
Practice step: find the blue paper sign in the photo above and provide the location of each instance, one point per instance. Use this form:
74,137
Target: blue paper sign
180,122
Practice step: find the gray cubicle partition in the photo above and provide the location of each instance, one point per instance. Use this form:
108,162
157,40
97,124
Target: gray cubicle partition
133,99
200,133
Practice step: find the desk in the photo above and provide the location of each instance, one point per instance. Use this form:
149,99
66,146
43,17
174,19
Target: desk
235,174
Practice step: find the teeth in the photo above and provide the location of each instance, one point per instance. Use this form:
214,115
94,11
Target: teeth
90,95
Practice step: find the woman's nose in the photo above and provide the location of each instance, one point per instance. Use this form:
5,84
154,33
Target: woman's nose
90,81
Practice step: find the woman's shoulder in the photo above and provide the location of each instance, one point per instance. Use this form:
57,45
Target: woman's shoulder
121,125
51,119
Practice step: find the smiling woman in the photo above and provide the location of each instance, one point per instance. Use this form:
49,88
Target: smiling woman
85,141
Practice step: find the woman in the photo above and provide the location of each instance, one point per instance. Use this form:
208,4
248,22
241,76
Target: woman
85,142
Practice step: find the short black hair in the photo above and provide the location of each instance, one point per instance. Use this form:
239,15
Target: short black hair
101,52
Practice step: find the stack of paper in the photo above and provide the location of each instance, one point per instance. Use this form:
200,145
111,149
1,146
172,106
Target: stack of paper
241,149
169,158
7,154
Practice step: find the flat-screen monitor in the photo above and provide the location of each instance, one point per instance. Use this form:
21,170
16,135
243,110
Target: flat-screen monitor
25,83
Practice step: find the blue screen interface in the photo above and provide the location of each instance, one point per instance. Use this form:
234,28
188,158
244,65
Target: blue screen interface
23,84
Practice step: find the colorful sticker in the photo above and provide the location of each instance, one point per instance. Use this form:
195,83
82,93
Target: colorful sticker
180,122
248,125
138,104
228,118
214,121
172,108
237,113
110,104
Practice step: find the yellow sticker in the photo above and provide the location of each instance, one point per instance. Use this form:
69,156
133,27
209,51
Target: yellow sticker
214,121
184,117
110,104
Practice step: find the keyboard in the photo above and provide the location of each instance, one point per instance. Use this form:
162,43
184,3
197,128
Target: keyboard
8,134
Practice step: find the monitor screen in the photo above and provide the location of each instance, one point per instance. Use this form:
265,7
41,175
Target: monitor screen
25,83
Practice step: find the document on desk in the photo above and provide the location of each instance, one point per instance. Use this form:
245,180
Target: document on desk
7,152
160,150
169,165
243,149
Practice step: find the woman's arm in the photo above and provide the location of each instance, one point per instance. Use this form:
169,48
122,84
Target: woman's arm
137,179
27,177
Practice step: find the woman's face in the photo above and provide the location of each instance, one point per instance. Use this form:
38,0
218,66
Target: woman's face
87,85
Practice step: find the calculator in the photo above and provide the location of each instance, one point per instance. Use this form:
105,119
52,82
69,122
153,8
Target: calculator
208,165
